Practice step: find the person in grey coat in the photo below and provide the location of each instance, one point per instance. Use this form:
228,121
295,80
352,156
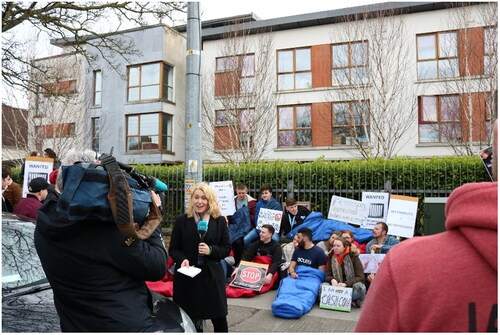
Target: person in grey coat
204,295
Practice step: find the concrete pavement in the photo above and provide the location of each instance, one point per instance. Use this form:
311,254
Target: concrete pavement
253,315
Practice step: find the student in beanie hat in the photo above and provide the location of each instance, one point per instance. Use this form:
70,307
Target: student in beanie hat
37,192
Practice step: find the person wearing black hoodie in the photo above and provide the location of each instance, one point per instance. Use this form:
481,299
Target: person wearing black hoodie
98,274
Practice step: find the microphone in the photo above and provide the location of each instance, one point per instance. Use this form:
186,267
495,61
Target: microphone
202,230
156,184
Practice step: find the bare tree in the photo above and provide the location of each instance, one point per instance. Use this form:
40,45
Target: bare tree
76,25
473,79
374,108
239,106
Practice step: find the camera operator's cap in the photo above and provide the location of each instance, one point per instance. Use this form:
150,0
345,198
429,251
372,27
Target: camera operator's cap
38,184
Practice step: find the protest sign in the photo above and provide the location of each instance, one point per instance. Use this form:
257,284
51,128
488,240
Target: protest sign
225,193
36,167
269,216
371,262
348,210
337,298
250,275
378,203
402,215
188,190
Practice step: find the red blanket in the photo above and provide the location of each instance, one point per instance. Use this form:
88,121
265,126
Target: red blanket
237,292
164,286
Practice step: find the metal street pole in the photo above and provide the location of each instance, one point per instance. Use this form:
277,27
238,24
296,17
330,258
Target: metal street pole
193,160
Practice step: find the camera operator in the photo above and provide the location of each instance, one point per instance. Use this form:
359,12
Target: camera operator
97,274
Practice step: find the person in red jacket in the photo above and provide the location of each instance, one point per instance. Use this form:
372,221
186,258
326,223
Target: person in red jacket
422,286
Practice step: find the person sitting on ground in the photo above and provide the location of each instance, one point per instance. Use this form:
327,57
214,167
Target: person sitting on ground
37,192
288,250
265,246
349,236
293,216
345,269
327,245
380,244
11,191
240,223
266,201
307,254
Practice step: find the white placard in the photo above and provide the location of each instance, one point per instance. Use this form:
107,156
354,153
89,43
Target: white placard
337,298
225,193
371,262
402,215
269,216
378,203
36,167
348,210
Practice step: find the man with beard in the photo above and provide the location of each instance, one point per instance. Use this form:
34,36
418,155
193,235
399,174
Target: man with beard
307,253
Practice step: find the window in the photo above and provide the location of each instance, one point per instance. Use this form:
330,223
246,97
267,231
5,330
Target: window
350,122
243,69
437,55
150,82
97,88
349,63
56,130
294,126
294,69
240,122
45,91
149,132
96,129
439,119
490,47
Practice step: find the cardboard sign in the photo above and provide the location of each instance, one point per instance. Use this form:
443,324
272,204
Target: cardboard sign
36,167
371,262
269,216
250,275
225,193
348,210
188,190
337,298
402,215
378,203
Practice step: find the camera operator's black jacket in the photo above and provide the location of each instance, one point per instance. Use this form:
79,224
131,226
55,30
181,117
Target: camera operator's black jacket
97,278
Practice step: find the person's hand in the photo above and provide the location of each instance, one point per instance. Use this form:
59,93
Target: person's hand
268,278
375,247
234,272
203,249
294,275
185,263
334,282
156,198
370,277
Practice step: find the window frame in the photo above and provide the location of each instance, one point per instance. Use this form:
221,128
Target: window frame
439,120
237,62
351,123
489,54
437,57
96,89
163,83
95,134
294,70
234,119
350,63
162,147
295,128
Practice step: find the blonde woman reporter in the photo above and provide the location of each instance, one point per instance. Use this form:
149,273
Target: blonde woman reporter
203,296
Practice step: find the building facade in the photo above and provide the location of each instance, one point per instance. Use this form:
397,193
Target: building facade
395,79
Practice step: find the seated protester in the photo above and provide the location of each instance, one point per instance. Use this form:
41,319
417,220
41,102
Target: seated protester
307,254
349,236
241,222
37,192
326,245
345,269
380,244
266,246
266,201
293,216
12,192
288,250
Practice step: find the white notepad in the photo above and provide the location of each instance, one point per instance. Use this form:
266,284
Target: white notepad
190,271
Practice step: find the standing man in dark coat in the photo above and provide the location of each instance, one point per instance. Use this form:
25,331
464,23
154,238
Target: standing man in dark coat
97,274
203,296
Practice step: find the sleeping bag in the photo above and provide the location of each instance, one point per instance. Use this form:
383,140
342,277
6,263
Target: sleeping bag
296,297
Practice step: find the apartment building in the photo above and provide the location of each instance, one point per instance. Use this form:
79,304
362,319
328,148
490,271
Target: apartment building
412,79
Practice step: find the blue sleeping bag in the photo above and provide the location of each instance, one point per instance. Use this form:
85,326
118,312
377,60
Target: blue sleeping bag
323,228
296,297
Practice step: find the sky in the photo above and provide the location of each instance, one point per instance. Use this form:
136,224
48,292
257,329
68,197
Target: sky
209,10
